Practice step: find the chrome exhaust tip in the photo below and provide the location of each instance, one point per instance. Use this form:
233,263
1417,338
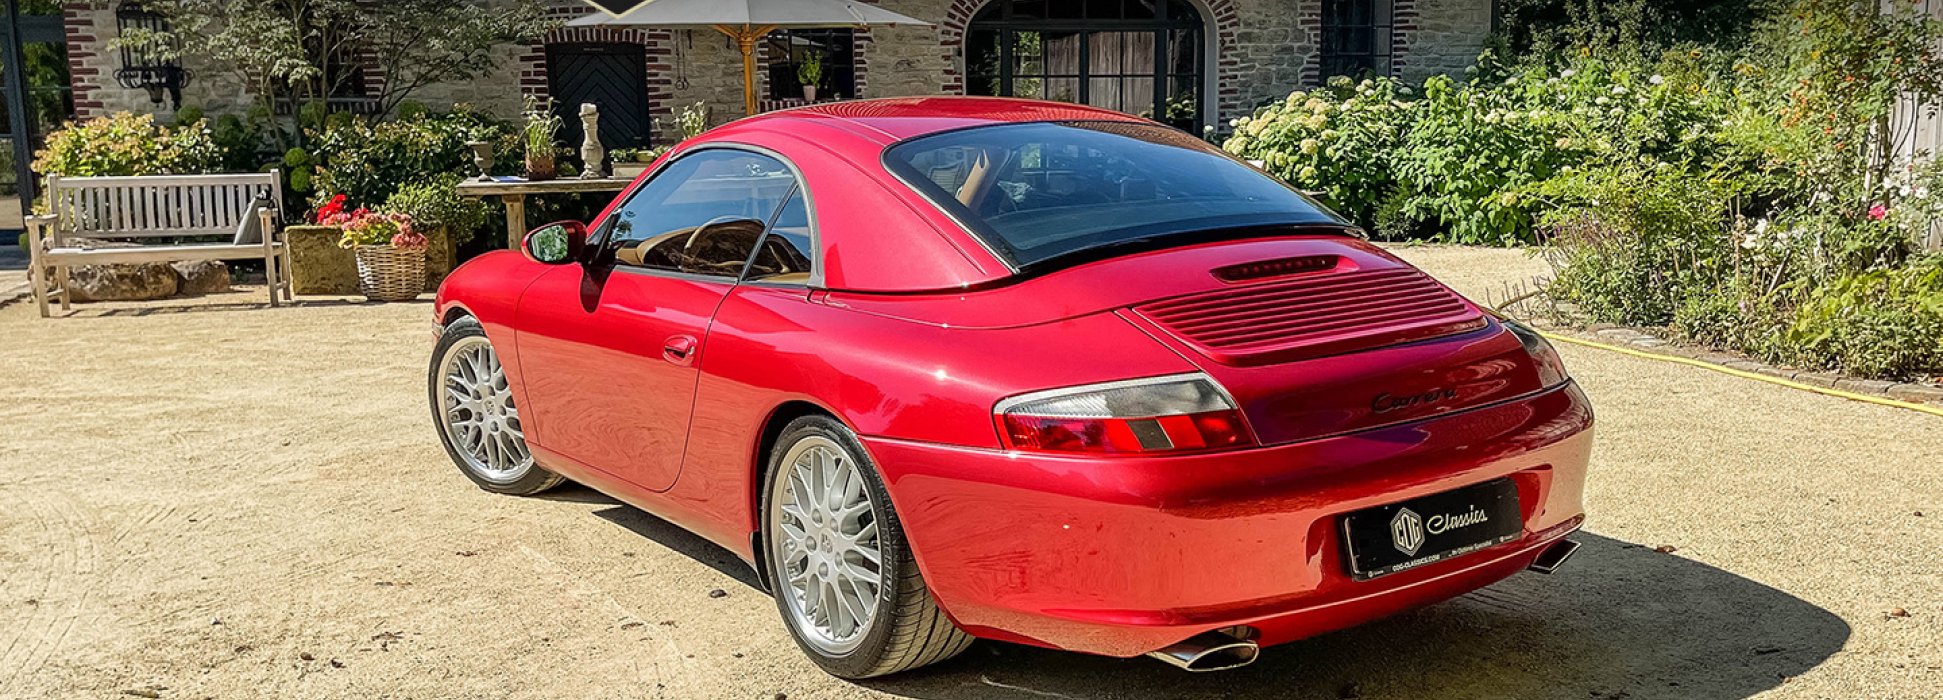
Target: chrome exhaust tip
1553,557
1210,651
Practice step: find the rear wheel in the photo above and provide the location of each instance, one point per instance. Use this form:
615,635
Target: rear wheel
480,426
844,577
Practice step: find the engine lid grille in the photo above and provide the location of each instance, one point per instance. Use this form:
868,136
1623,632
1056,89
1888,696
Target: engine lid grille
1314,315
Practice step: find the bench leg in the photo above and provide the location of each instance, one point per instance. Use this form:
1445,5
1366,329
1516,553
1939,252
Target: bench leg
283,273
37,278
270,277
60,280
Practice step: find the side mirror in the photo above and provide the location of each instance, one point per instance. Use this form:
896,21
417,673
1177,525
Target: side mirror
557,243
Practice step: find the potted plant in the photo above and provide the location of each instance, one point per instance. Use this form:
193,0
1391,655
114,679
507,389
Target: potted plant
540,132
390,252
692,120
810,74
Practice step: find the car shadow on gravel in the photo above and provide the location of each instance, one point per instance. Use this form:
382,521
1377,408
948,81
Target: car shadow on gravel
670,535
1620,620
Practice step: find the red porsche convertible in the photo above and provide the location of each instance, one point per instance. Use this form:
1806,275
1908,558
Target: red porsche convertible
954,368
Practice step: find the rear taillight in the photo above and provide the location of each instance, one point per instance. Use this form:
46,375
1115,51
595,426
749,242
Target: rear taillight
1551,369
1159,415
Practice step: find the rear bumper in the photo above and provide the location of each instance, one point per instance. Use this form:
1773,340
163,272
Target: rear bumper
1124,556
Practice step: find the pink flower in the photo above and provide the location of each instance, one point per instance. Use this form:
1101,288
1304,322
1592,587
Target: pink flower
408,239
1878,212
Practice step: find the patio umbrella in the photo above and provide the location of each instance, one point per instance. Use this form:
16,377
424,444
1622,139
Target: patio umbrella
747,21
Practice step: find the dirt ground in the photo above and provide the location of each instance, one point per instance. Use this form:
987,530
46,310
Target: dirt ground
213,499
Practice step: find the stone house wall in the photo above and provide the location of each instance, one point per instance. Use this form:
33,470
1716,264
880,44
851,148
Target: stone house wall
1442,36
1262,50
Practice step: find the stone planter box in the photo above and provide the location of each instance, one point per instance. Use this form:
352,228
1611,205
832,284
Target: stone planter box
318,266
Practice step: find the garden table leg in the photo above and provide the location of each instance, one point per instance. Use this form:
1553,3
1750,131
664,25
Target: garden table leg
515,218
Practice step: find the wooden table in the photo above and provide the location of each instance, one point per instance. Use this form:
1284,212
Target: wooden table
514,191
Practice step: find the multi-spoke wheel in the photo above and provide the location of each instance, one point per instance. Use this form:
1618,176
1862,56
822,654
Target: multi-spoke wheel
477,419
841,572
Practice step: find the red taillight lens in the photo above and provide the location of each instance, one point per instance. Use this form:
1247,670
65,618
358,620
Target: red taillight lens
1551,369
1181,413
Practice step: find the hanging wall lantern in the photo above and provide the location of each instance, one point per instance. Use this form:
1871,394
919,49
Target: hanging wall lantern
145,68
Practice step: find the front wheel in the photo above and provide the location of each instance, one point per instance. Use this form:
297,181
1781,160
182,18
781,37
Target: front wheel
473,406
844,577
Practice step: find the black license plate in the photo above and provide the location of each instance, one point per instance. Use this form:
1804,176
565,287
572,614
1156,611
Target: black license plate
1388,539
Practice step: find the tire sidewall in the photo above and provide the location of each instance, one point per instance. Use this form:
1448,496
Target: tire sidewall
861,661
535,479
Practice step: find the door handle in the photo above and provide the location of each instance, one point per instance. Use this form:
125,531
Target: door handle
679,349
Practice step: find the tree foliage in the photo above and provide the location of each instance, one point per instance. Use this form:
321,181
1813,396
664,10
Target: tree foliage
303,50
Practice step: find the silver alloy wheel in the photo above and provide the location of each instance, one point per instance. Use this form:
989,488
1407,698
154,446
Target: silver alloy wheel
476,407
824,533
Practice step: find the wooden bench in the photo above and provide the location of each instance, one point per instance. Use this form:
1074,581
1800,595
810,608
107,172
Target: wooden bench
145,208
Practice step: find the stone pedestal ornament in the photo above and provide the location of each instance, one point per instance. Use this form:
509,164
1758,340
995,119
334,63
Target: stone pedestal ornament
593,156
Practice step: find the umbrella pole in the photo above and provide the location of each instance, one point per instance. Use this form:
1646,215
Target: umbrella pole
745,39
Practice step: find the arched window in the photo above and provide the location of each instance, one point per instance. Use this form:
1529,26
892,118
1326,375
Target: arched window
1356,38
1141,57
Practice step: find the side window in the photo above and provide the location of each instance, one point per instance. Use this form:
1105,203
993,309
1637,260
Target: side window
786,253
702,215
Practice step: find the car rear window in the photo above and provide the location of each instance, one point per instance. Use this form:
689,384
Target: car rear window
1043,190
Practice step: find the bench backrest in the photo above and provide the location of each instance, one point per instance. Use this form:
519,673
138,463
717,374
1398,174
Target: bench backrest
156,206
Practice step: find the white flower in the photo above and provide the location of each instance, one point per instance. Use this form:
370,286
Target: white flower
1602,101
1656,80
1921,193
1551,81
1568,73
1618,89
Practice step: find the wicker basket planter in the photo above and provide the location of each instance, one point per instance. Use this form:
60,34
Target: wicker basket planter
388,273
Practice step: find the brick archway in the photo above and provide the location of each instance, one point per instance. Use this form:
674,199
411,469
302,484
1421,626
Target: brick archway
659,44
1221,20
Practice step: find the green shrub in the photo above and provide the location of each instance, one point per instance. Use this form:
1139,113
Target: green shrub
1632,240
1459,162
129,144
1339,141
1884,323
368,163
436,203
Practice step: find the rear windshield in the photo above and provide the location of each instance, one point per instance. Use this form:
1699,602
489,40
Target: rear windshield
1043,190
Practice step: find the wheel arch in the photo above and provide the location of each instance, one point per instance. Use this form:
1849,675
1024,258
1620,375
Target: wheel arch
772,430
454,312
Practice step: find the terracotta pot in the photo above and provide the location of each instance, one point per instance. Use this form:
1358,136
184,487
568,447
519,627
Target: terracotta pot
540,167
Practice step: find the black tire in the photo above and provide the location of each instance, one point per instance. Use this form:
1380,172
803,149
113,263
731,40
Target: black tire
909,630
534,479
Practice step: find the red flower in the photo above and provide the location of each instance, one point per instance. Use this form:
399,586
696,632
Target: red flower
1878,212
331,209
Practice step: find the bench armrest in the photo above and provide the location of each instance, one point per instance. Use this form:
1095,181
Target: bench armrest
38,227
272,223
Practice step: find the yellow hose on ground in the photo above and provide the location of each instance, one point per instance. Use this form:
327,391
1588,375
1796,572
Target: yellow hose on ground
1838,393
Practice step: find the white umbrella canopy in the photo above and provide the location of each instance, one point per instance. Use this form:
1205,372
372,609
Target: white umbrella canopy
748,20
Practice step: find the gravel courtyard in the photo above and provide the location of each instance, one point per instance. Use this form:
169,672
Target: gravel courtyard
214,499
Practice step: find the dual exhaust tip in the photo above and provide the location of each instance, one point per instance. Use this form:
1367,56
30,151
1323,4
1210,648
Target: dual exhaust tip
1235,647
